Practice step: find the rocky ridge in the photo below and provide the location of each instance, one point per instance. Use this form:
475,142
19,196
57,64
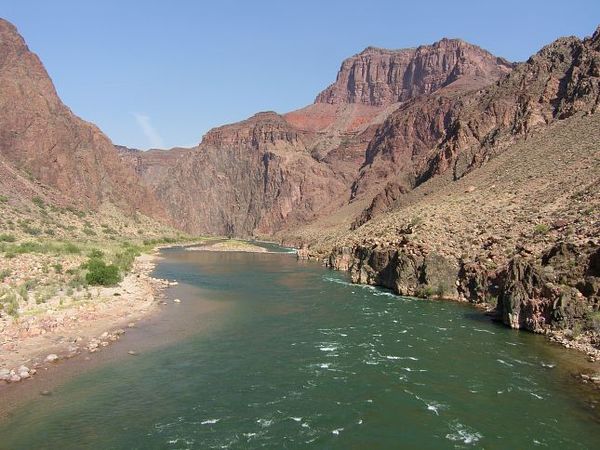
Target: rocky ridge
41,138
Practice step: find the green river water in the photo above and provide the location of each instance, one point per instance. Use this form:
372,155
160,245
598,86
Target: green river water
291,355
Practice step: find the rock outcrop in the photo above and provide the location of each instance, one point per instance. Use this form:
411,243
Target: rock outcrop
43,139
558,290
380,77
406,273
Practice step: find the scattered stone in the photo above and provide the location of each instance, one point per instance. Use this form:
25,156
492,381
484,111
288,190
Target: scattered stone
132,353
131,325
52,357
45,393
177,300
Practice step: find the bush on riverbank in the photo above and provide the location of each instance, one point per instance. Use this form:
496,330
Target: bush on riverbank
101,274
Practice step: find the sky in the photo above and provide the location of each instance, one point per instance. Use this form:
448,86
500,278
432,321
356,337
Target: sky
162,73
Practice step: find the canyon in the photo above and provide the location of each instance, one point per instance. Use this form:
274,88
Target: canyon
437,171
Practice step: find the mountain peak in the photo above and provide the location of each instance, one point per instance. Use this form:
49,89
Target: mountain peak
379,77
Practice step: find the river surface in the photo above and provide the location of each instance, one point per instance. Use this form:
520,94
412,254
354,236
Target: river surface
292,355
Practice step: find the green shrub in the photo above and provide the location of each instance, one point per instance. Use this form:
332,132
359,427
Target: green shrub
58,267
71,248
37,201
33,231
441,290
30,247
89,231
75,211
5,273
3,199
100,273
95,253
541,228
9,302
593,319
425,292
4,237
124,260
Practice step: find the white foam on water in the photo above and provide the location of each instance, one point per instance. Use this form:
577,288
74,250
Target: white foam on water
209,421
324,365
483,331
501,361
412,358
328,349
539,397
462,433
549,365
360,421
296,419
265,423
436,407
337,431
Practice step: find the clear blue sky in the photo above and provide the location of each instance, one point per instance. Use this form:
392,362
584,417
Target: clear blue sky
163,73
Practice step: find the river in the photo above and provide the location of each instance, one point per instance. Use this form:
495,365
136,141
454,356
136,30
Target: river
292,355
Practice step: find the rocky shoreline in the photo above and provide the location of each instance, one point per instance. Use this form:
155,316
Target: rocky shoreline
31,345
552,294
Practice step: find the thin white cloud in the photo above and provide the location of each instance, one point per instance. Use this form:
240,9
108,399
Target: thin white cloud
149,131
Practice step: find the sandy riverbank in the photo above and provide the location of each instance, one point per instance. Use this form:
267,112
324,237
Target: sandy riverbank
31,343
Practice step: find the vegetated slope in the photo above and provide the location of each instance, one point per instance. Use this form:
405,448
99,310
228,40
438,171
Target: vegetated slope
41,137
274,172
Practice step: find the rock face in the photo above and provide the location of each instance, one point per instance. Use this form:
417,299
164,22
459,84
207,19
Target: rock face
40,136
406,273
556,291
460,131
249,177
380,77
151,166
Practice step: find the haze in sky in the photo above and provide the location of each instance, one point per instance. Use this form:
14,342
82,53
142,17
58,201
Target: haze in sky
161,74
